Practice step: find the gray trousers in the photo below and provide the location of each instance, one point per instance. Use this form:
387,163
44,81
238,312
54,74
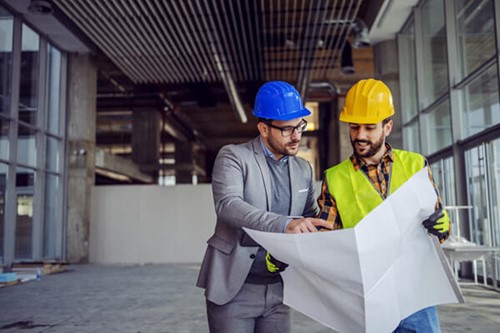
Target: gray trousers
255,309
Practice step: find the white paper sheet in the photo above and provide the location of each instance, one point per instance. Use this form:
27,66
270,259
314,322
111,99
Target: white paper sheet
368,278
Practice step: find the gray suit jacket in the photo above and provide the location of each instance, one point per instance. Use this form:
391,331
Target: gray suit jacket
242,195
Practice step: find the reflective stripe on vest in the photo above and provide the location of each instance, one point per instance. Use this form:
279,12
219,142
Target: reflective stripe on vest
356,196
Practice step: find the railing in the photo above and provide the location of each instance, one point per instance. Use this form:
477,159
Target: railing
458,249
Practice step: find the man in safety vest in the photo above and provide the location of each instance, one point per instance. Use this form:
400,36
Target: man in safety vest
354,187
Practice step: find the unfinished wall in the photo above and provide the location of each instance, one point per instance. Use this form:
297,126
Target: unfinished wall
139,224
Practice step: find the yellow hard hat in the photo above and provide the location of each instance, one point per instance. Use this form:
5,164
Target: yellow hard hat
367,102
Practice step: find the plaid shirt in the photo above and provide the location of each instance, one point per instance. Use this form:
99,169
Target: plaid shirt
378,174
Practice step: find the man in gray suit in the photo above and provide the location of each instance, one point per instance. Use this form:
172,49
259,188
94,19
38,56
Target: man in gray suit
259,185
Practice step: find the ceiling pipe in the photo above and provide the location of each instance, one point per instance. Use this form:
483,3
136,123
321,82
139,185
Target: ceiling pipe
358,28
346,63
223,71
176,125
232,93
329,86
234,97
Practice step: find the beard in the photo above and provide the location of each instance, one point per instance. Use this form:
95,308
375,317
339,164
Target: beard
290,148
373,147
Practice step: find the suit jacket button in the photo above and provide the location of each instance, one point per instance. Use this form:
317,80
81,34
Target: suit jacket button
252,256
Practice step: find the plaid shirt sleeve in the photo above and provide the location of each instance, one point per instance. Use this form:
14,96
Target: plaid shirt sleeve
328,207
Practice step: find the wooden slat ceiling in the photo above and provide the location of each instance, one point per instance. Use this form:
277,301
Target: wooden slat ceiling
183,41
200,62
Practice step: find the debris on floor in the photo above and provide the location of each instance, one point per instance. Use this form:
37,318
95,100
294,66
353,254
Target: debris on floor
34,270
43,267
8,279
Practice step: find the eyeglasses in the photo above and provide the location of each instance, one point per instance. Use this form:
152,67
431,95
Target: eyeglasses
288,130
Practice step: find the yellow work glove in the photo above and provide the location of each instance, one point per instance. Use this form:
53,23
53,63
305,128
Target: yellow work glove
438,224
274,265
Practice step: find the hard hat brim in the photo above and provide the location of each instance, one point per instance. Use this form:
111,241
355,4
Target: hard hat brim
347,118
289,116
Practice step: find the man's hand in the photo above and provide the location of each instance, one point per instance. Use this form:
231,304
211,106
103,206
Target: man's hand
438,224
307,224
274,265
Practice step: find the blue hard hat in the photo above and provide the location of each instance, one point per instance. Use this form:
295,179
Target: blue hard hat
279,100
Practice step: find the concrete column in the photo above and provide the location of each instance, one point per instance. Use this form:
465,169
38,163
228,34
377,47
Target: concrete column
146,130
329,142
184,162
344,143
385,56
82,88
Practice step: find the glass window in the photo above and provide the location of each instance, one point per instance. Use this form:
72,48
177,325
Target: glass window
449,193
483,189
6,30
494,212
28,99
25,181
4,138
438,128
444,177
481,103
434,52
3,184
477,189
475,34
52,153
53,88
408,77
26,145
494,152
411,136
50,216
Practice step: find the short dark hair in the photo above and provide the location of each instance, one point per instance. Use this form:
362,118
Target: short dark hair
386,120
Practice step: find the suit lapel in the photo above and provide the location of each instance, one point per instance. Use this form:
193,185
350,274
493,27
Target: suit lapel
264,169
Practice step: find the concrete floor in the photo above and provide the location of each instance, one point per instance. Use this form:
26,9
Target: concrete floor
163,298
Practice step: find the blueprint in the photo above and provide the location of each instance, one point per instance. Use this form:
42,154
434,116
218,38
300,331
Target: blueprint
370,277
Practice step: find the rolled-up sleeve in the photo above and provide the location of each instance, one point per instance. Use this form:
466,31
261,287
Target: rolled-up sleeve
328,207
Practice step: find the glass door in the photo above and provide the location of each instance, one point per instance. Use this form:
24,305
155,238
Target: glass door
494,194
478,195
24,214
3,182
483,182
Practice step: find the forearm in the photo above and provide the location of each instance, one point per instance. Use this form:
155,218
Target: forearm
328,207
237,213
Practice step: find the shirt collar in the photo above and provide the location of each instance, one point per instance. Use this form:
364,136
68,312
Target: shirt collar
268,153
359,163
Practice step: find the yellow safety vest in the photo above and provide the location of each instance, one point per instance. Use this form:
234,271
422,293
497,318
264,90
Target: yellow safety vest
356,196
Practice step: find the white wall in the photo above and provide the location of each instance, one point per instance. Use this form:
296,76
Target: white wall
139,224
